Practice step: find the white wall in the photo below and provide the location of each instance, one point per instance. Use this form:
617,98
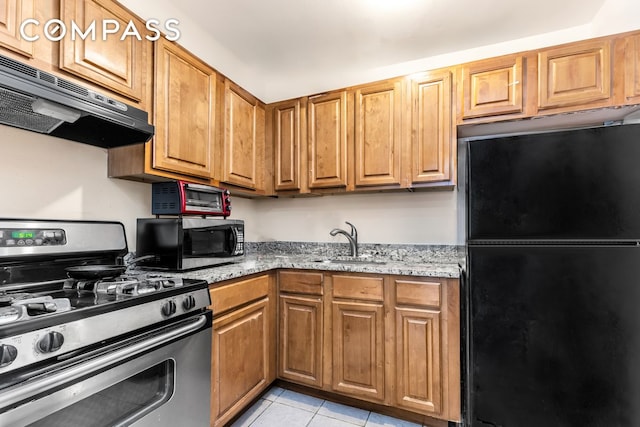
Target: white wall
420,217
43,177
51,178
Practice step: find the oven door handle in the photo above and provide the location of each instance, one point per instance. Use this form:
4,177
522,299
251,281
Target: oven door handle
28,389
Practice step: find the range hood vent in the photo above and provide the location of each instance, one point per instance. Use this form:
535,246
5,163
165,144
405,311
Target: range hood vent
38,101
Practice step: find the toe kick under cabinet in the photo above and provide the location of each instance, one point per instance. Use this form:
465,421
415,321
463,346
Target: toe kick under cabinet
392,341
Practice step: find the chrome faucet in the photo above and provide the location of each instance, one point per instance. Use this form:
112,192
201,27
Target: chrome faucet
352,238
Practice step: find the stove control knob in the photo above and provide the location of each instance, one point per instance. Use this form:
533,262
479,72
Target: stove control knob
169,308
8,354
52,341
189,302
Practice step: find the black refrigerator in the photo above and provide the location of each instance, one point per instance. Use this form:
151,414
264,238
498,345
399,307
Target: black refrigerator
552,293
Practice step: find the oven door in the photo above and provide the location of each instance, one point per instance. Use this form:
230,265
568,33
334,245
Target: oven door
161,378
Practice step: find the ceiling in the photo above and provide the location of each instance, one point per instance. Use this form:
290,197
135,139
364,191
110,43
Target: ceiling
278,38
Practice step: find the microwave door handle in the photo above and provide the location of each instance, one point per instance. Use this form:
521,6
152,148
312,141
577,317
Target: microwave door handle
233,240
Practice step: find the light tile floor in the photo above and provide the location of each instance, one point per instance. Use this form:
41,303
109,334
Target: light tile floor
279,407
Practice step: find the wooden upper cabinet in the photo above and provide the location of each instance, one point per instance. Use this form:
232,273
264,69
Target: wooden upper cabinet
119,65
575,74
289,146
378,134
243,148
632,69
327,139
432,127
492,87
185,104
12,13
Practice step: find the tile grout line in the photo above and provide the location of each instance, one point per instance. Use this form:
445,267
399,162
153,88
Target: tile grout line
315,413
261,413
367,420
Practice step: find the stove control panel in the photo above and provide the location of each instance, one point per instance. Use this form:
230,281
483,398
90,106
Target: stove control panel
40,344
20,237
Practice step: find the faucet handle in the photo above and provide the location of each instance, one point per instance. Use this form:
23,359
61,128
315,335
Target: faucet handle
354,232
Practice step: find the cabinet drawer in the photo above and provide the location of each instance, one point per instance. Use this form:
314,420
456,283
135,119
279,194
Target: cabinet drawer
413,292
358,287
226,297
300,282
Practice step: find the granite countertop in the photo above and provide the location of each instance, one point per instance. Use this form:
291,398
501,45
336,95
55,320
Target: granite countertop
412,260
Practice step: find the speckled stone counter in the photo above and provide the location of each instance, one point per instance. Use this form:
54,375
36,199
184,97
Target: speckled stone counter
413,260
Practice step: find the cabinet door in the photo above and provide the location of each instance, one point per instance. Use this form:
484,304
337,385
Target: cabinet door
632,69
576,74
287,140
327,133
301,339
119,65
492,87
432,127
184,112
419,380
358,349
12,14
243,139
240,359
378,134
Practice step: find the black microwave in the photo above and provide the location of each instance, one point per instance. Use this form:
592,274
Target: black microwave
189,243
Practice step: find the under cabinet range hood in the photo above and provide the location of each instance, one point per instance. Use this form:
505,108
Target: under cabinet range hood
42,102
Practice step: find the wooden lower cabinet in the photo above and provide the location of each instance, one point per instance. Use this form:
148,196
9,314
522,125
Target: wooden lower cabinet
358,349
243,345
301,320
419,360
300,347
390,340
427,342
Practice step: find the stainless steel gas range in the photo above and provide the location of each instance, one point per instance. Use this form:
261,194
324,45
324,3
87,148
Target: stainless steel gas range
102,349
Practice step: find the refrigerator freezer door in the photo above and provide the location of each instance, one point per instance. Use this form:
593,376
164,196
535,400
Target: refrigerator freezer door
571,185
554,336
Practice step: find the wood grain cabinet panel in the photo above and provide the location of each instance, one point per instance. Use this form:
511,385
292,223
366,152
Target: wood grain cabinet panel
184,112
236,380
492,87
327,140
432,128
243,357
579,73
116,63
632,69
12,14
358,349
427,346
243,139
378,134
419,378
289,162
300,347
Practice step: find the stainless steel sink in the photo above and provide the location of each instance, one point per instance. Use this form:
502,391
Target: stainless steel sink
348,261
